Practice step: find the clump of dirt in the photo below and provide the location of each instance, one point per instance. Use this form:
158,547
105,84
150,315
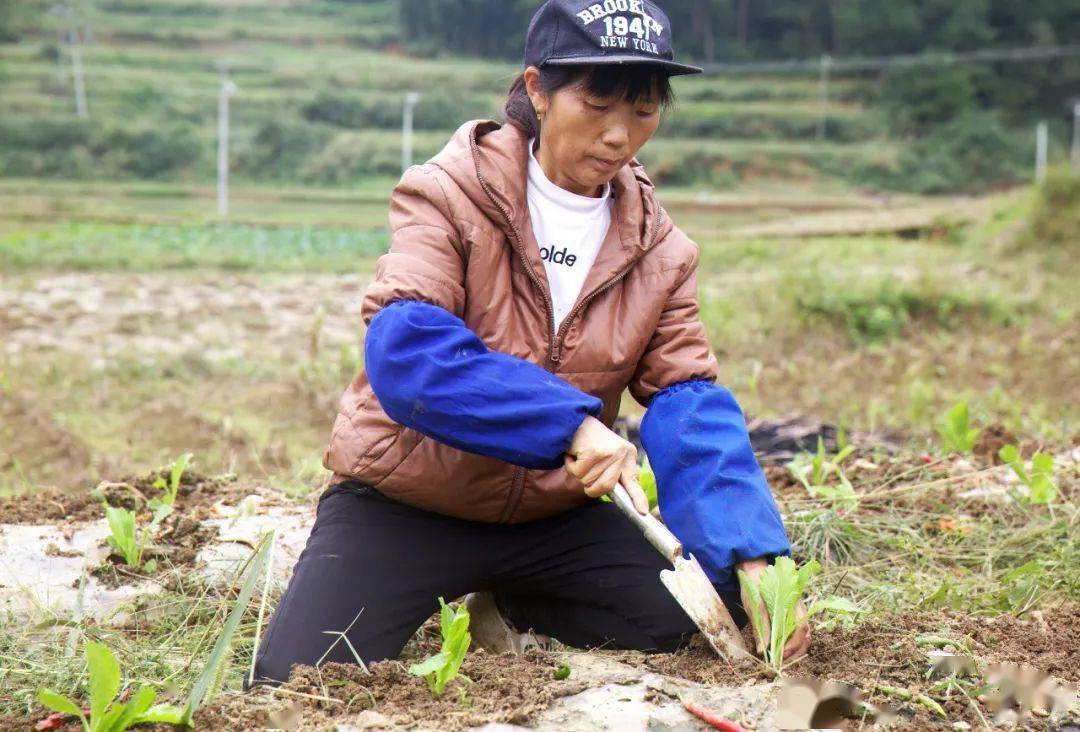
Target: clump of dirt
175,544
698,662
886,655
197,493
49,507
501,689
782,481
195,498
991,439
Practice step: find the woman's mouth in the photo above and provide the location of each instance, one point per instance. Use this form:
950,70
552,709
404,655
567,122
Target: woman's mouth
604,164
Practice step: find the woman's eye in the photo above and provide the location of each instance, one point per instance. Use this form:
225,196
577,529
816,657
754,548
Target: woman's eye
646,112
597,107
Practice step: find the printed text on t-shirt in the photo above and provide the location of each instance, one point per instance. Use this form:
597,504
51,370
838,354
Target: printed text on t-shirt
548,254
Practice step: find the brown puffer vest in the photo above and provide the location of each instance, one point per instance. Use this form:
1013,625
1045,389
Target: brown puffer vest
462,240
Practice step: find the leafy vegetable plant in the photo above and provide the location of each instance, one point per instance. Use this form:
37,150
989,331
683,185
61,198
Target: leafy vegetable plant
106,714
126,538
442,668
957,434
647,481
780,588
1040,481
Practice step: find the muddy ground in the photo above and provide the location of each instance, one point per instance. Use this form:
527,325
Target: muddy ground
887,659
517,691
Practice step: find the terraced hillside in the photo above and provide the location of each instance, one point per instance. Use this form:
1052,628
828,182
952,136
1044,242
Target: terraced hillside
321,85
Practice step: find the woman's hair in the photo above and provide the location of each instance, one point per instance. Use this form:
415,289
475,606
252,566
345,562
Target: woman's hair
631,82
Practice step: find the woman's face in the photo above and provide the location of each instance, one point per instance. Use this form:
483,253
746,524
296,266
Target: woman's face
585,139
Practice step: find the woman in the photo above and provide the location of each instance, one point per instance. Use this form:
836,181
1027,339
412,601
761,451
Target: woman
532,277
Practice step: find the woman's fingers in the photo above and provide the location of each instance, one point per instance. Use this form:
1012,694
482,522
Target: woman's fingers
629,480
579,465
798,644
597,468
603,485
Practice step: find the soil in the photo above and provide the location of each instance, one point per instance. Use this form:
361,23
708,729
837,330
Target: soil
179,537
510,690
195,499
500,689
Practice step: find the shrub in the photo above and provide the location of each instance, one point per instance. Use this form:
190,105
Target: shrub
149,152
279,149
971,153
1055,218
350,156
917,101
358,112
882,313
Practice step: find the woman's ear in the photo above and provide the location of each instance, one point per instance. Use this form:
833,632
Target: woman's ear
537,95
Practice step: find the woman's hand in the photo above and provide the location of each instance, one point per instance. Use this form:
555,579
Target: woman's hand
799,643
599,458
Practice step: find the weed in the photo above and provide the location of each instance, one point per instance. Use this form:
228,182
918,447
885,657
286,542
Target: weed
957,434
1040,481
442,668
780,588
106,714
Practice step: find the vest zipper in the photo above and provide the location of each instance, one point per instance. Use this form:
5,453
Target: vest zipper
520,242
556,346
517,480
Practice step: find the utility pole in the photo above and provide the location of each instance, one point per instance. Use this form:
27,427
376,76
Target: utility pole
823,91
66,34
411,98
1076,139
228,89
1042,142
75,44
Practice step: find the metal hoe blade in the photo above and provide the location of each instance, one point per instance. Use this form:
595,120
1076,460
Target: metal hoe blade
692,589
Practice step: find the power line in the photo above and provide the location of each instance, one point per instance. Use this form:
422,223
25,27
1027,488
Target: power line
879,63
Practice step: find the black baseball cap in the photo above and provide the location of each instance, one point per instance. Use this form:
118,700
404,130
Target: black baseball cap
565,32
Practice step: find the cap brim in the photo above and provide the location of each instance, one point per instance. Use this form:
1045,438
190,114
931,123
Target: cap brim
671,67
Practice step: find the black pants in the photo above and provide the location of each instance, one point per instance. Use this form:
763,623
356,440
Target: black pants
586,577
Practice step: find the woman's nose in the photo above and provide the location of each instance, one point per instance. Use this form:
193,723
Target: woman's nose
616,136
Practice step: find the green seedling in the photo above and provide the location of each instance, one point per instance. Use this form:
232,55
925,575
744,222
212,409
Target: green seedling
842,610
780,589
126,538
175,474
814,471
107,714
442,668
1040,481
957,434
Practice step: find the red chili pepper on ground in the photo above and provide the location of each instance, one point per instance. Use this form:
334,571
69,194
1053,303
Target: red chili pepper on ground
711,718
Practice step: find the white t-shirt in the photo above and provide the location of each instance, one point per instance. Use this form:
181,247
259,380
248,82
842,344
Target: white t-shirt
570,229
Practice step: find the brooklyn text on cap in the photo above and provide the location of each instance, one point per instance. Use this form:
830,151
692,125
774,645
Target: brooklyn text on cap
567,32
